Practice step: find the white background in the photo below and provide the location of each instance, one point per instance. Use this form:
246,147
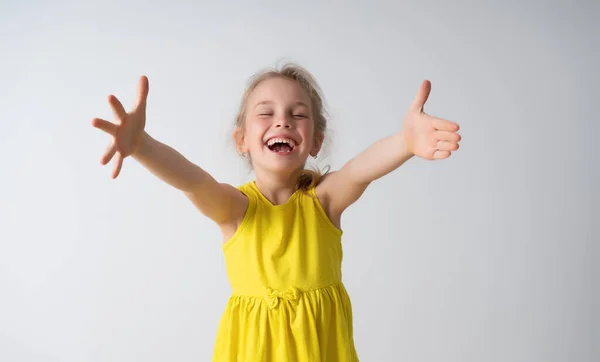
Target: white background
487,256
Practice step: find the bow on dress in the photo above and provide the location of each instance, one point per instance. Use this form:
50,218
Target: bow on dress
274,296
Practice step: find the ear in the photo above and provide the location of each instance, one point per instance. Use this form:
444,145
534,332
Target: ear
240,140
317,143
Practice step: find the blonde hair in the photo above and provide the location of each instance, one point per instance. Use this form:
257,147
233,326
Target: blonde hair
308,178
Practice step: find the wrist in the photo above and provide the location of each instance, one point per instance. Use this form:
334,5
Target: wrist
142,145
403,145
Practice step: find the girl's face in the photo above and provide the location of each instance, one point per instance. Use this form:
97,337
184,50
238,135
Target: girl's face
279,129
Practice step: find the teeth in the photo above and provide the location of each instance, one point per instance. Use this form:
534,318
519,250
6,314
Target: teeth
289,141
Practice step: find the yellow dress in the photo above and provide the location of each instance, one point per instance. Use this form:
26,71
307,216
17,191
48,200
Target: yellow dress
288,302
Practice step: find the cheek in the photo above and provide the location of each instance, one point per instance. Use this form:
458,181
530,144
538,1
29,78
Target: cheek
307,131
255,132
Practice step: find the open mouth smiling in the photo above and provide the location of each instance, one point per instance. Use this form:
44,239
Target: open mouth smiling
281,145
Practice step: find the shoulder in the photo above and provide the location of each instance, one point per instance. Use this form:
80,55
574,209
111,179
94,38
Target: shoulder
323,189
337,191
323,192
246,202
249,191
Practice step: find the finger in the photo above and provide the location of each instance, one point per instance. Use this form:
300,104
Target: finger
118,164
109,153
444,125
142,92
440,155
447,146
421,97
117,108
447,136
105,126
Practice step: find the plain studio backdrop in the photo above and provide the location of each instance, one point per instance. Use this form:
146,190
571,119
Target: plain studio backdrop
486,256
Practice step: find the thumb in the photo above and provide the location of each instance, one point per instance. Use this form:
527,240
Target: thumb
421,97
142,92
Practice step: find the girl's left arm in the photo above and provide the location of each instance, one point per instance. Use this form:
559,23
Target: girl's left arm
421,135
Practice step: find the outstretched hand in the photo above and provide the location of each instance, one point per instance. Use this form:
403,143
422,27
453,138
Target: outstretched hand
426,136
127,129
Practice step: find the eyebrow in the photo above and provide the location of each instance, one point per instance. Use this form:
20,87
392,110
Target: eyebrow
298,103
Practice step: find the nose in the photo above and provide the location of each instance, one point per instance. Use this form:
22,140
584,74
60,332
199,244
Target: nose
283,122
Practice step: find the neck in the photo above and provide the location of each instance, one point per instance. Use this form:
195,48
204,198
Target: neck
277,188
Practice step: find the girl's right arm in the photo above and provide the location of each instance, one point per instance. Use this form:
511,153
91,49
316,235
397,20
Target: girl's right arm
222,203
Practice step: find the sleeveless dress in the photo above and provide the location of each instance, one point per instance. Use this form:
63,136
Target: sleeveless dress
288,302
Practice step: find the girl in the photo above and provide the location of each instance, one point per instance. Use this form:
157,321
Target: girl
281,232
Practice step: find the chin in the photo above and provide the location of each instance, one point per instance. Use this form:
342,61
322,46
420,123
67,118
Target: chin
281,163
283,167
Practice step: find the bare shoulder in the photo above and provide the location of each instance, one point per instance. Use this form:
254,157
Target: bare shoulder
239,205
326,196
233,192
323,189
223,203
337,191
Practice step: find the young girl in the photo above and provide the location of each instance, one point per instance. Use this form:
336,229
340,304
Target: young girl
281,232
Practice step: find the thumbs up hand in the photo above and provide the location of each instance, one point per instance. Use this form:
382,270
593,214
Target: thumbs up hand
426,136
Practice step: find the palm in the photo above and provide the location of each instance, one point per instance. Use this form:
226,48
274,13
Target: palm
128,132
426,136
127,129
